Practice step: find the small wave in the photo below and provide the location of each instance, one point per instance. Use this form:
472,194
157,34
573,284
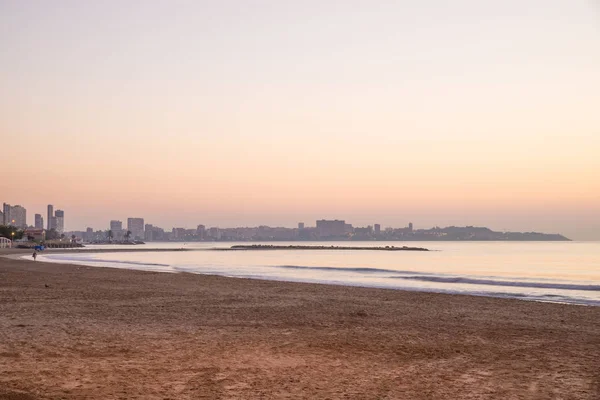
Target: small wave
475,281
544,298
199,270
363,270
95,260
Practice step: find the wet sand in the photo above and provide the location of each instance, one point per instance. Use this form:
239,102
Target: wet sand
75,332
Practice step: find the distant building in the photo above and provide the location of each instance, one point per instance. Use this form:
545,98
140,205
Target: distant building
178,233
50,217
38,235
377,229
79,236
39,221
52,223
331,228
60,221
89,235
6,214
116,225
117,229
158,234
19,216
1,217
214,233
410,226
15,216
300,225
149,232
190,232
136,227
201,232
363,233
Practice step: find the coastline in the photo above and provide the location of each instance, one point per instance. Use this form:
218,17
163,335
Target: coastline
16,252
557,292
73,331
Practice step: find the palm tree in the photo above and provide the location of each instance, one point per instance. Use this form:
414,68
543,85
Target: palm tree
109,235
128,235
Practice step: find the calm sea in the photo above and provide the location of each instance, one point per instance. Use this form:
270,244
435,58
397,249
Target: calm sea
566,272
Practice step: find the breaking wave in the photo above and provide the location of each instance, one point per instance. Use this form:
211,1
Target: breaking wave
96,260
536,289
430,277
359,270
493,282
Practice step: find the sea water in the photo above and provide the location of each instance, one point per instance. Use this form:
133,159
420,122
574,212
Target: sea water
565,272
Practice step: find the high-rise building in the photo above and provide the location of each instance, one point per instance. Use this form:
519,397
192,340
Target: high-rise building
333,228
2,217
363,233
149,232
60,221
50,217
89,235
201,232
6,214
377,229
52,223
136,227
116,225
39,221
214,233
18,216
178,233
15,216
117,229
158,234
300,225
410,226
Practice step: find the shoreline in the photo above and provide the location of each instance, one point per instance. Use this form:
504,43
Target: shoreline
72,331
22,255
324,283
79,250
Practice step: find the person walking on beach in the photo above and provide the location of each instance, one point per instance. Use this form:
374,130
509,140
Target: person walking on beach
34,255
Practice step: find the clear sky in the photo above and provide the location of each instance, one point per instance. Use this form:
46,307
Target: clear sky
249,112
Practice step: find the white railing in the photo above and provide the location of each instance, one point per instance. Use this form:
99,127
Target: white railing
5,243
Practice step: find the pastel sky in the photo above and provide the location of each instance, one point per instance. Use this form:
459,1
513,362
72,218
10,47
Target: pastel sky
232,112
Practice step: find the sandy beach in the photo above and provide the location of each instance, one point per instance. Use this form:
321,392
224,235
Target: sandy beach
75,332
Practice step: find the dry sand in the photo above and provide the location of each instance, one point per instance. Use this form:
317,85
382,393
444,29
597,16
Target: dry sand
102,333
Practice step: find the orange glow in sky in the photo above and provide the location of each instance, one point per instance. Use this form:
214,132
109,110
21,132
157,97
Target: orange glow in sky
275,112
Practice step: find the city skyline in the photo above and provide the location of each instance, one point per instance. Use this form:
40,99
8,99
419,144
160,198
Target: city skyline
323,230
101,223
137,229
242,113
